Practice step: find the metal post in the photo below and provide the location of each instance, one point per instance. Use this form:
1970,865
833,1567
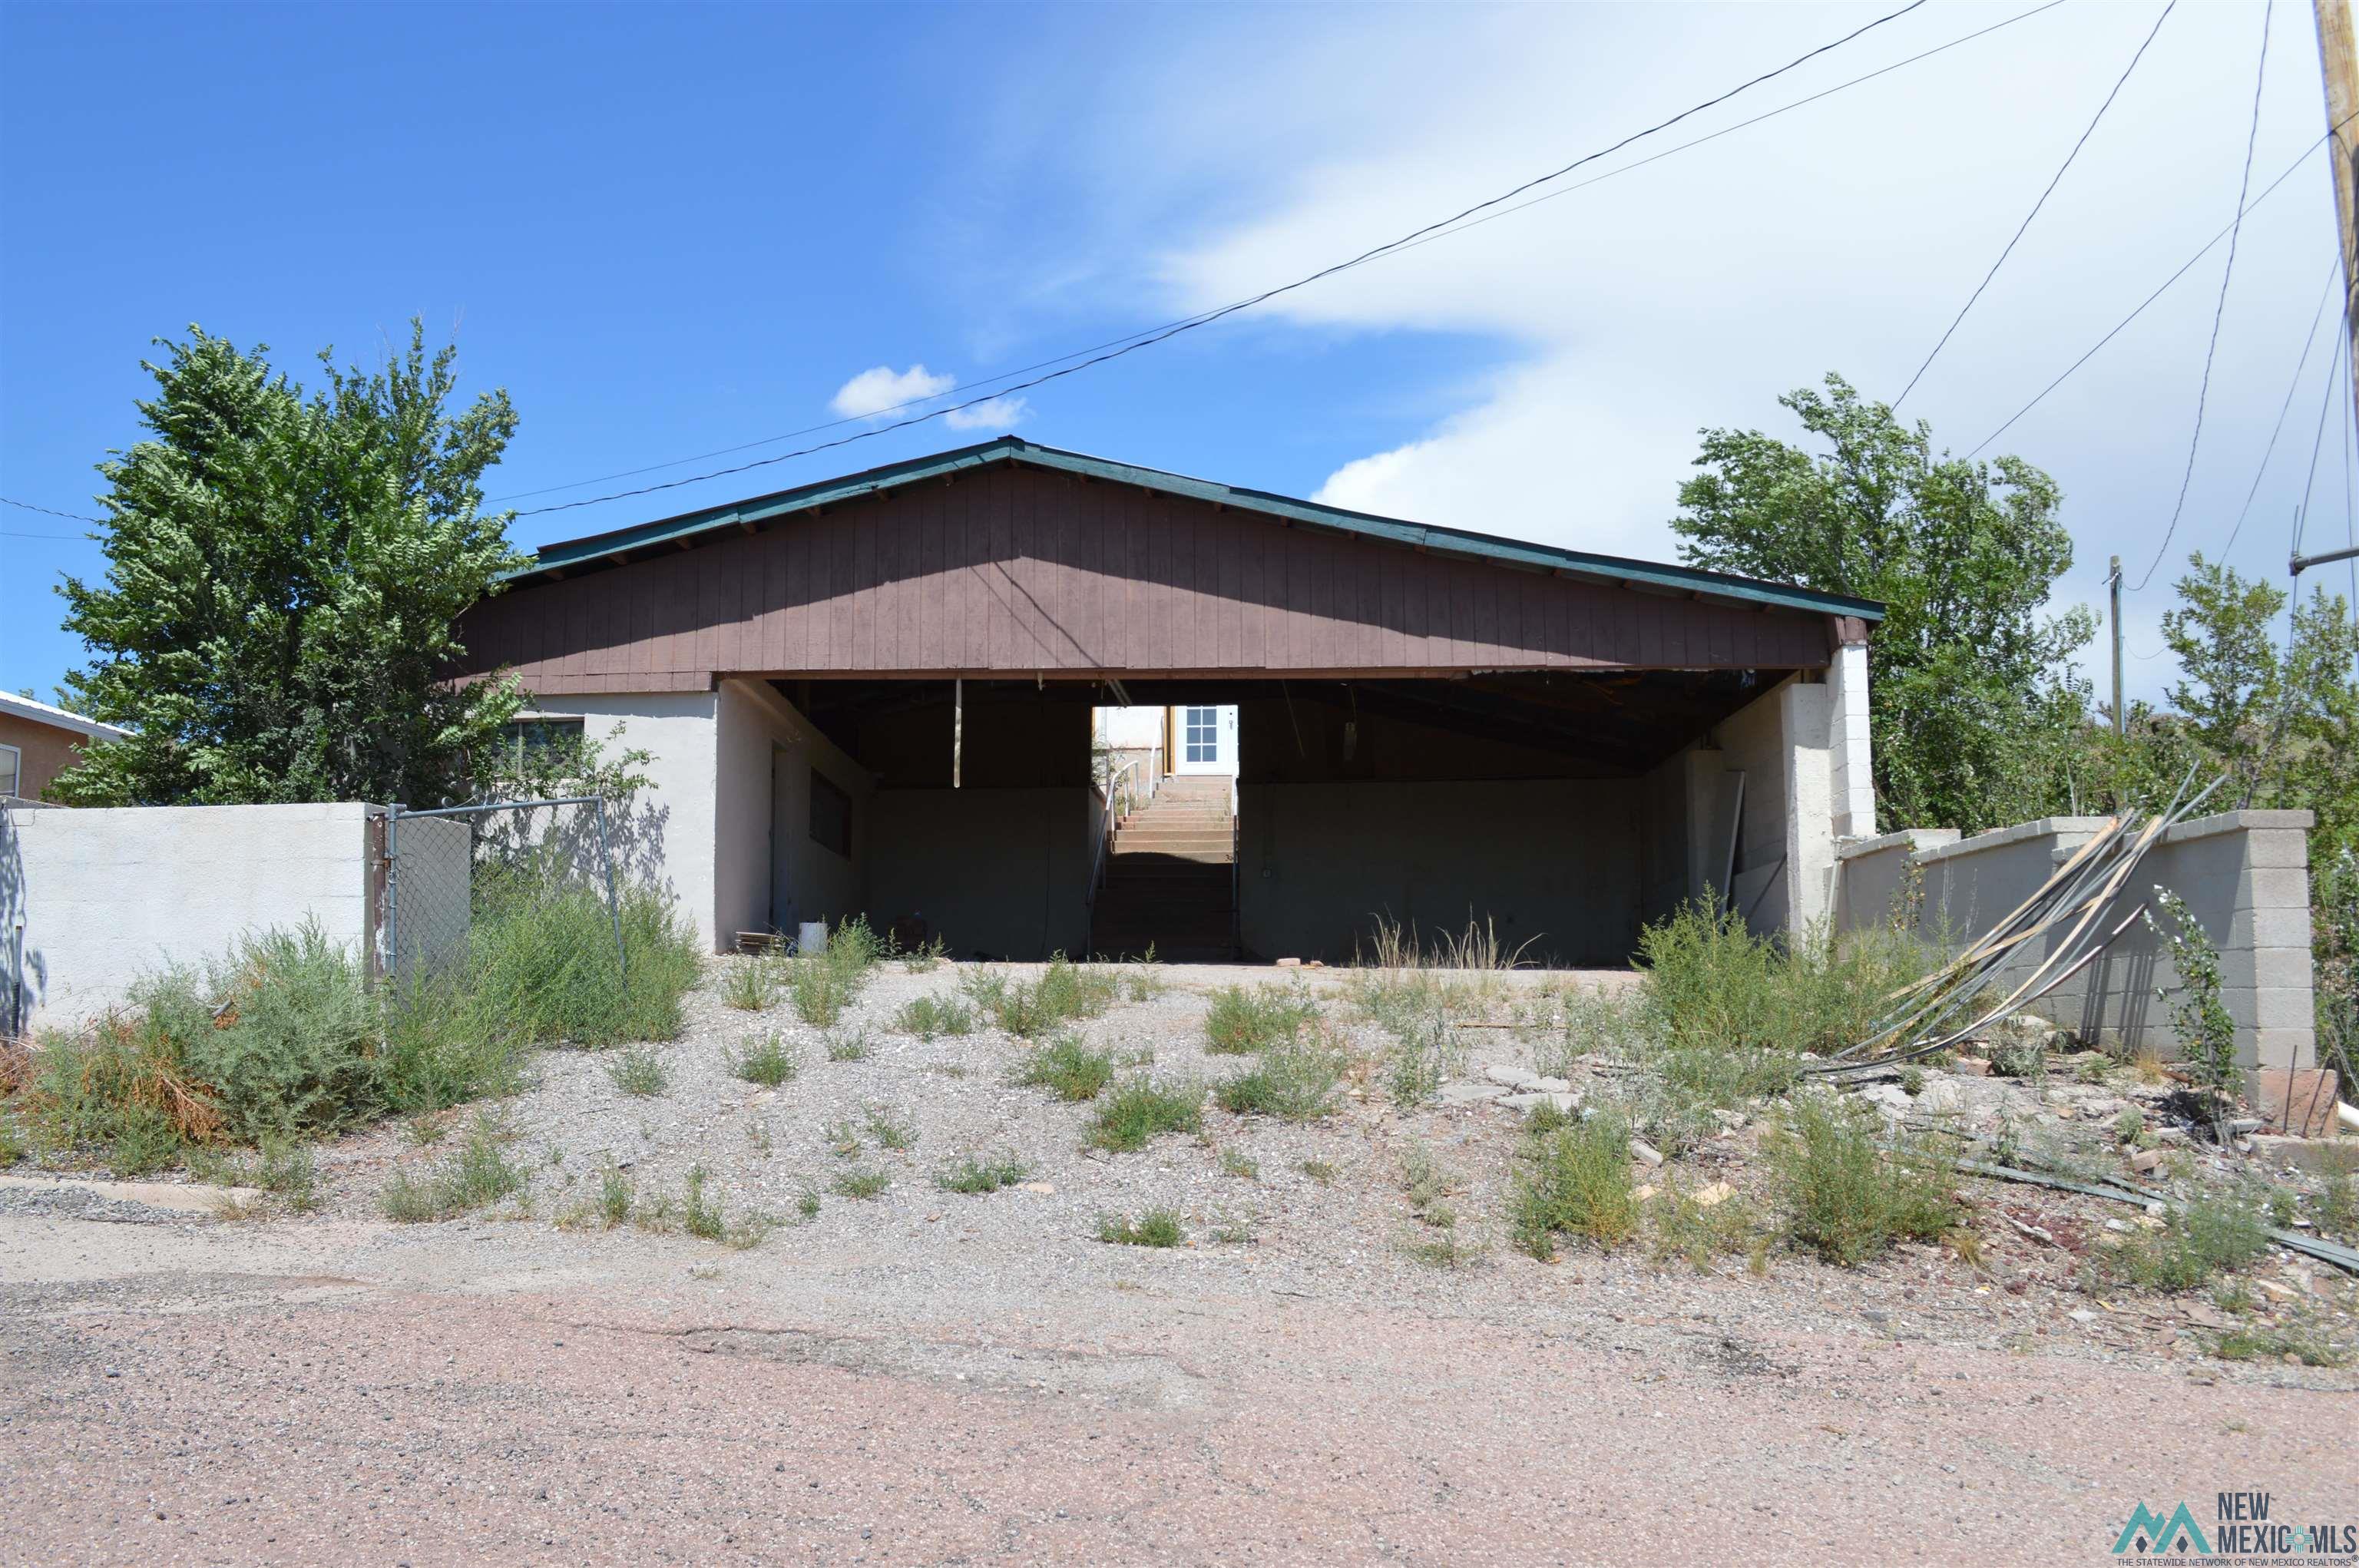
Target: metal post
614,905
391,897
2121,720
958,726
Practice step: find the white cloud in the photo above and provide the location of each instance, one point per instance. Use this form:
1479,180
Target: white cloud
872,392
995,414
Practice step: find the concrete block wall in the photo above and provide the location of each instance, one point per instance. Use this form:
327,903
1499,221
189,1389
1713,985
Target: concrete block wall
109,897
2244,876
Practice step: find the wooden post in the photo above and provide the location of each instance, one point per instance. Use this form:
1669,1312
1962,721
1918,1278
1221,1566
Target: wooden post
2339,63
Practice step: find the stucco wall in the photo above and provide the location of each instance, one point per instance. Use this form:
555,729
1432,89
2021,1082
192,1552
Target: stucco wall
767,870
1551,862
1000,872
110,896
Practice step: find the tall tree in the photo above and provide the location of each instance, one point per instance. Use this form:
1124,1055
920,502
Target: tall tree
1971,697
284,575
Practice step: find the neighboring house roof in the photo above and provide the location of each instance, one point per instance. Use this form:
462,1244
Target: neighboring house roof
44,714
552,560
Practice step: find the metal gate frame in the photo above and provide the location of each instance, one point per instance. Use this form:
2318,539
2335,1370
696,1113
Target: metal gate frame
397,812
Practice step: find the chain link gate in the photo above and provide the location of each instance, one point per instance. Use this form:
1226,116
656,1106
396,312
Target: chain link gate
448,868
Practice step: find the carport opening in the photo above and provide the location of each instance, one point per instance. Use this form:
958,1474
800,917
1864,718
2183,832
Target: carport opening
1561,810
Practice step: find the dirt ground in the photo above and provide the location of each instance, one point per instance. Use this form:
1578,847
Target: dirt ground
930,1376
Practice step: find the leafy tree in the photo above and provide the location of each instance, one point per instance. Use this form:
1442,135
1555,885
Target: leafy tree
1971,708
284,575
2227,660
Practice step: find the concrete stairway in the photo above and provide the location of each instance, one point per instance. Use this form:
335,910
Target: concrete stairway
1168,880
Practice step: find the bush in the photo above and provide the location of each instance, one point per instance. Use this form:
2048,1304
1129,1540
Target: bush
1063,993
751,986
1139,1110
927,1016
1243,1021
1155,1227
1710,983
541,962
1067,1069
475,1173
770,1064
1573,1179
1847,1196
1295,1082
988,1175
2206,1237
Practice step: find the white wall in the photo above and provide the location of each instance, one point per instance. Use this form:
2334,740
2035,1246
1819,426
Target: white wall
768,871
669,838
110,896
1785,869
1129,726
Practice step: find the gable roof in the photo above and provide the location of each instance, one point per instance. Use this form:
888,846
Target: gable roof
613,547
41,713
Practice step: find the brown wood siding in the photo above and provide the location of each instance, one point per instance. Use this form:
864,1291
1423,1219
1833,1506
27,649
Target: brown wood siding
1013,570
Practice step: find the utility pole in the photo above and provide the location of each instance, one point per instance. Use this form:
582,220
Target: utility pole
2120,722
2338,61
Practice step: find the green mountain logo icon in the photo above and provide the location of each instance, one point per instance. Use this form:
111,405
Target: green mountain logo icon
2148,1534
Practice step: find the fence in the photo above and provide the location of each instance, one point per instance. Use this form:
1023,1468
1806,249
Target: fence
448,869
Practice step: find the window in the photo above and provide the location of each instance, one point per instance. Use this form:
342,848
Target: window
830,815
12,770
531,740
1203,734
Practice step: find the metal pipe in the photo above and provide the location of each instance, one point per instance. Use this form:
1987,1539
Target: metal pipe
2303,564
393,894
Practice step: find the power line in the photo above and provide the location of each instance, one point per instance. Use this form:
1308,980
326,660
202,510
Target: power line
2220,308
69,516
2054,181
2164,287
1190,324
982,381
2308,343
2317,444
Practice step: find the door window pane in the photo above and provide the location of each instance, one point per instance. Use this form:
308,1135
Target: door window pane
1203,734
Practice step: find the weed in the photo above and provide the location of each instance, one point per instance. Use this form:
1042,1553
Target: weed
752,985
2198,1015
807,1204
773,1062
1064,992
757,1134
2338,1208
1067,1069
2129,1126
1575,1181
615,1193
1320,1170
1912,1080
2208,1237
844,1137
2276,1345
2095,1068
2282,1212
540,963
1155,1227
1847,1196
984,1175
288,1168
475,1173
891,1131
927,1016
699,1215
1142,977
862,1183
1238,1163
1427,1181
1685,1227
853,1047
921,959
640,1071
1295,1082
1425,1050
1442,1248
1233,1235
1242,1022
1138,1109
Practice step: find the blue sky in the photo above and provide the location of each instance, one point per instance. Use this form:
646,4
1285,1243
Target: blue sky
667,230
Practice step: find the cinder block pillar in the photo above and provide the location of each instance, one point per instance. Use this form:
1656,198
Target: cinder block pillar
1850,753
2265,959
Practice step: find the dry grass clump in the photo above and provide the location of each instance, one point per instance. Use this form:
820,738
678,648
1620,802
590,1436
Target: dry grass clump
1846,1194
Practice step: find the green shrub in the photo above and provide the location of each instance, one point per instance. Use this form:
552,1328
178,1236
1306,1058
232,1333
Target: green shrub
927,1016
294,1048
1573,1179
700,1214
1155,1227
615,1194
475,1173
638,1071
2204,1238
1137,1111
1295,1082
1064,992
772,1062
1847,1196
853,1047
862,1183
2197,1015
1067,1069
984,1175
751,986
541,960
1243,1021
890,1129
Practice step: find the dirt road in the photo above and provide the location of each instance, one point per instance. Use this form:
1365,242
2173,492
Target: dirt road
333,1389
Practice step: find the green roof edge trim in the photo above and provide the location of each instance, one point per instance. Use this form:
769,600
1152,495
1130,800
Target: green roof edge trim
1423,536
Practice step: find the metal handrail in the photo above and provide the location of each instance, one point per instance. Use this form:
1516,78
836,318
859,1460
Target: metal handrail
1114,788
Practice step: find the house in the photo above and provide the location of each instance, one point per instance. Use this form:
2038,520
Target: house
38,742
876,695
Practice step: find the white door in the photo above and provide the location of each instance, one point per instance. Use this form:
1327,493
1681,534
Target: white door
1207,740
